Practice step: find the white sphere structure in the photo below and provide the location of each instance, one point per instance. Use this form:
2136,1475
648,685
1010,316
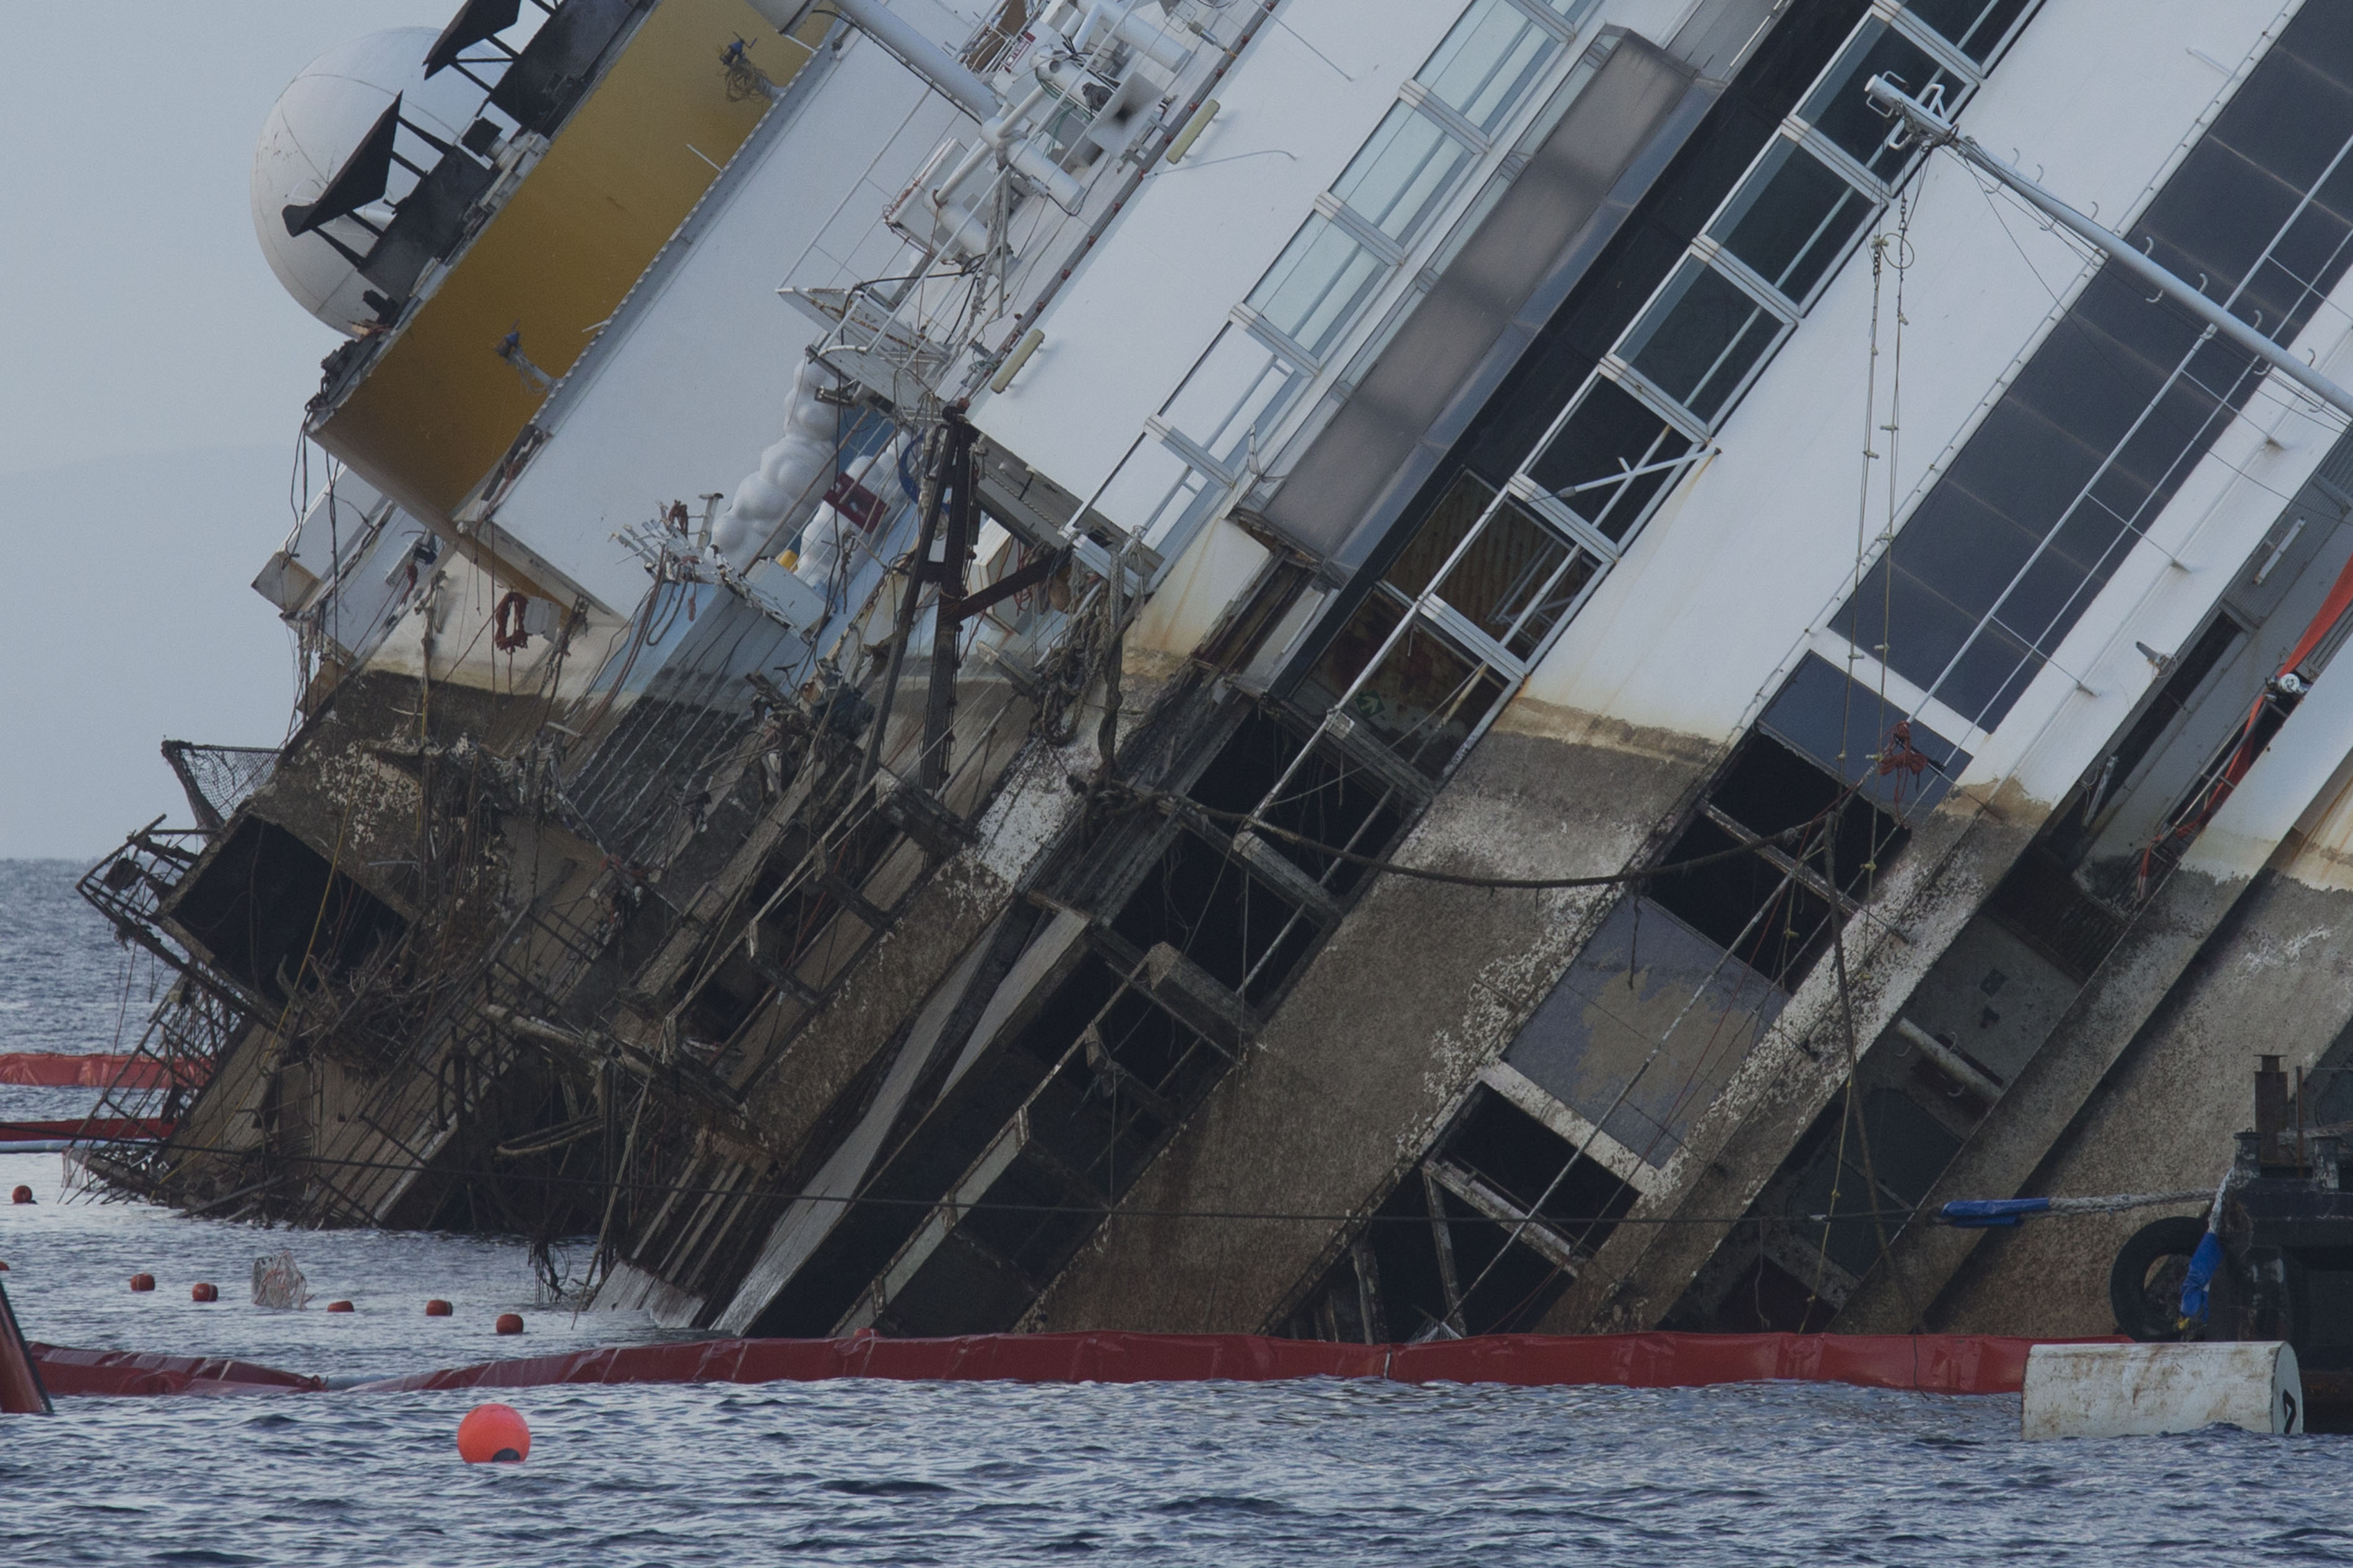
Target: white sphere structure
317,122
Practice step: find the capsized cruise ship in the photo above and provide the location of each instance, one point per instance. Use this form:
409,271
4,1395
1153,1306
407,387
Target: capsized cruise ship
1362,668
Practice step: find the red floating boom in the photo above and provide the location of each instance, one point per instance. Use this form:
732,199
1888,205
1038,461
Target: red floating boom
1931,1363
1935,1363
84,1130
59,1069
70,1372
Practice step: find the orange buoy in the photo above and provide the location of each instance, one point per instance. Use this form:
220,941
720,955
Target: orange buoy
509,1322
202,1291
339,1307
142,1282
3,1266
21,1195
437,1308
493,1435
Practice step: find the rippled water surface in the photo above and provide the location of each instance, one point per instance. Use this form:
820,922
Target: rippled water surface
1304,1474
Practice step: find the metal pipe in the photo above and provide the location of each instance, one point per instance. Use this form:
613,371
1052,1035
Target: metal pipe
1935,130
1956,1066
896,34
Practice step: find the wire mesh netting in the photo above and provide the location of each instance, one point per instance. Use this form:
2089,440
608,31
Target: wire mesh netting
277,1282
218,779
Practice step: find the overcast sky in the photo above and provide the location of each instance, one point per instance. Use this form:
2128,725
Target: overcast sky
152,379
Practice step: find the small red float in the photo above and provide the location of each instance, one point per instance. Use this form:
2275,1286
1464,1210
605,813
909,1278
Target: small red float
437,1308
493,1435
339,1307
142,1282
509,1322
21,1195
204,1292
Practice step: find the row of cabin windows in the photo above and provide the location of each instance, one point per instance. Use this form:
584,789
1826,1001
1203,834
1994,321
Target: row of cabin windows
1625,389
2126,393
1451,114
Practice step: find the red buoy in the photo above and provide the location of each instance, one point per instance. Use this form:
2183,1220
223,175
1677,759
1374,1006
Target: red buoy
509,1322
493,1435
21,1195
437,1308
202,1291
142,1282
339,1307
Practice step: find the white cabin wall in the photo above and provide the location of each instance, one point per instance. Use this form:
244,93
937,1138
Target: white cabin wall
691,381
1201,233
1698,623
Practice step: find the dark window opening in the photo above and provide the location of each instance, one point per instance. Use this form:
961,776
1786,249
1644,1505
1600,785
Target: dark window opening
2113,776
1701,342
1540,1172
271,912
1137,1071
2041,903
1454,515
1770,921
1766,1299
1622,280
1853,730
1612,456
1325,798
1793,219
1334,803
1217,913
1391,1285
1909,1148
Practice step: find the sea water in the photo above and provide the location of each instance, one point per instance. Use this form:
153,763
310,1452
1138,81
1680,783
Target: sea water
1310,1474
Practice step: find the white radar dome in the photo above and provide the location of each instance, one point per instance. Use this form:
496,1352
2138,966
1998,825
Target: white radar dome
319,121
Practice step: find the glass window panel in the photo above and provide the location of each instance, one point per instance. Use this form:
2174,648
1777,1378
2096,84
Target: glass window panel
1920,629
1352,646
1793,218
1965,549
2286,118
2156,333
2121,495
1457,511
2046,599
1976,27
2024,467
1402,173
1612,456
1425,698
2278,300
1315,286
1838,109
1517,580
2214,217
1148,484
1701,339
2085,380
1488,60
1240,386
1987,677
2094,541
1195,496
2319,38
